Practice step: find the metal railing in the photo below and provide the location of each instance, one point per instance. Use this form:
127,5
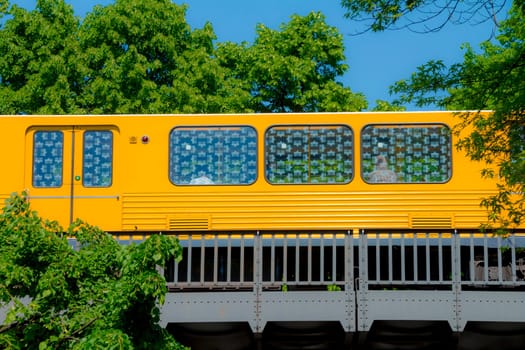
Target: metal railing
318,260
274,260
307,260
492,260
407,259
352,277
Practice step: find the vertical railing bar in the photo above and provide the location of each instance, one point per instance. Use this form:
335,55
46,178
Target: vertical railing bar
427,256
188,267
414,257
351,265
285,258
378,267
454,243
403,262
215,258
297,249
347,267
500,263
176,271
456,274
321,257
310,262
229,259
472,258
363,321
457,258
242,247
390,258
513,257
272,259
257,266
440,256
334,258
203,247
485,257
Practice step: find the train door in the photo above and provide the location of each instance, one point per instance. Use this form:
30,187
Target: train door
71,173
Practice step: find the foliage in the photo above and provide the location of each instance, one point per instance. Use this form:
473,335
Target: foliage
140,56
491,80
333,288
294,69
420,15
385,106
99,295
3,7
39,67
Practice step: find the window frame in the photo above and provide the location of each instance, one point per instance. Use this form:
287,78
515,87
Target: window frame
211,127
84,157
412,126
34,156
309,126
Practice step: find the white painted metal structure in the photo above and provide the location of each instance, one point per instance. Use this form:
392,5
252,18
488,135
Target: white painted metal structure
354,278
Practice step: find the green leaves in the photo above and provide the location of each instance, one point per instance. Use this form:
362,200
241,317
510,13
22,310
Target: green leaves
493,79
140,56
383,14
294,69
420,15
99,295
38,67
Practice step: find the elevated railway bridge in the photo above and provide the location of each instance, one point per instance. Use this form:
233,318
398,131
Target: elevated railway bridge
357,280
354,278
353,281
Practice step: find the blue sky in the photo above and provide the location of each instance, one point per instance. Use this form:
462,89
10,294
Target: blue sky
376,60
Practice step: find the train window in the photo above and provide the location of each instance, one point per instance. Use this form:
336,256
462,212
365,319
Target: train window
48,153
213,155
97,163
309,154
412,153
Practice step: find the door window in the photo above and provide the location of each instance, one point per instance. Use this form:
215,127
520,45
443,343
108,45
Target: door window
48,159
97,163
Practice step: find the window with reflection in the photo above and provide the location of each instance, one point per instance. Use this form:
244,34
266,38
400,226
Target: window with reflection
48,154
307,154
213,155
97,163
411,153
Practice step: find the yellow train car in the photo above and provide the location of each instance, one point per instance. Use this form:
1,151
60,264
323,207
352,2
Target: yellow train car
313,171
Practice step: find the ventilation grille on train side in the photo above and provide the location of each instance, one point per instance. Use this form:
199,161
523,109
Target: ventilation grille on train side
188,223
431,222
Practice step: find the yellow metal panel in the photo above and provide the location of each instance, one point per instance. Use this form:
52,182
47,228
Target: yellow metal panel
188,222
142,197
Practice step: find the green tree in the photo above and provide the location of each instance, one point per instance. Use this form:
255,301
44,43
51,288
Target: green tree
420,15
493,79
142,57
135,56
385,106
39,67
294,69
4,4
100,295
